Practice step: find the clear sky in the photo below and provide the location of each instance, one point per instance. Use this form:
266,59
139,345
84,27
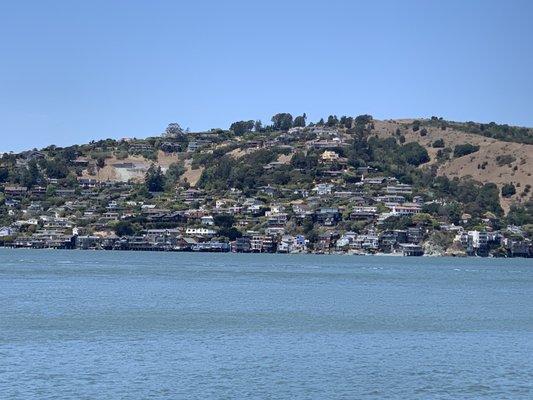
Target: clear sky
72,70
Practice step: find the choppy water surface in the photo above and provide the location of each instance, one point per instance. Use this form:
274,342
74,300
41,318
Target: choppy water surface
120,325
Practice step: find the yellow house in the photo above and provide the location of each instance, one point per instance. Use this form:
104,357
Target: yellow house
329,156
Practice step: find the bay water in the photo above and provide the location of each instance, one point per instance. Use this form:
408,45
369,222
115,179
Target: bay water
135,325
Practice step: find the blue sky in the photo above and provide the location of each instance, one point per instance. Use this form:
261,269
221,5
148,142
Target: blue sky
72,71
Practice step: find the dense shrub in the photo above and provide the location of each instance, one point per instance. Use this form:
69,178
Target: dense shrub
464,149
504,159
508,190
439,143
414,154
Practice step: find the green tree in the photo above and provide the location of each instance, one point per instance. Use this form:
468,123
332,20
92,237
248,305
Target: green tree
100,162
332,121
231,233
173,174
173,130
488,199
521,215
124,228
347,122
56,168
224,220
241,127
282,121
154,179
414,154
31,175
4,174
363,119
300,120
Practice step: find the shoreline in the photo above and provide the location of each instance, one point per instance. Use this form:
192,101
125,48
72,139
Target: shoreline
310,253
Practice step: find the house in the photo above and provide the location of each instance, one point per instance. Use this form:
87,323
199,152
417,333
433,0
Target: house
323,189
410,250
82,162
296,130
268,190
326,241
275,209
65,192
262,244
374,180
329,156
399,188
346,240
325,144
275,231
476,242
415,234
170,147
207,220
254,207
242,245
277,219
418,199
6,231
368,241
254,144
362,213
406,209
185,244
387,241
200,232
390,199
286,244
87,183
479,238
520,248
194,145
212,247
273,165
15,191
328,216
364,170
192,195
140,147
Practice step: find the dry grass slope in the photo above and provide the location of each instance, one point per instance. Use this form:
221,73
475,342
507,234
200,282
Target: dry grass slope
519,171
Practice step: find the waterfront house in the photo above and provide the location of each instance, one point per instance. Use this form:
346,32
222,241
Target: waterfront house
6,231
409,249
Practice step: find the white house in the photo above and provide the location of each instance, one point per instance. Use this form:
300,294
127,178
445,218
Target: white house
200,231
207,220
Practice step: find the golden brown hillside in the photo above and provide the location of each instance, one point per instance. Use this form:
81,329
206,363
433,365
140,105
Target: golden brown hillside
486,165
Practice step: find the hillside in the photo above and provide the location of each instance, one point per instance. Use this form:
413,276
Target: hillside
379,176
496,161
486,165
